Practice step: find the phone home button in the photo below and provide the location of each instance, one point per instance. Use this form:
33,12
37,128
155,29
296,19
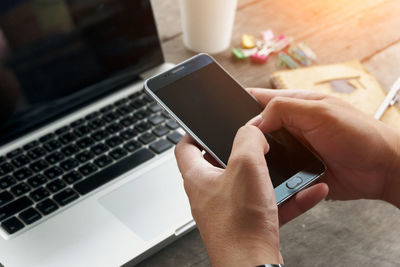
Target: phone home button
294,182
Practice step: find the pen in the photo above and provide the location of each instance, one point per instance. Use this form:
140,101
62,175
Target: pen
392,97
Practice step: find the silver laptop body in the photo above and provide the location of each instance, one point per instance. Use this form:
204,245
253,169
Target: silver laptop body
120,220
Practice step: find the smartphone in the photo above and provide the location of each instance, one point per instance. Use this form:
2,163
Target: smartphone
211,106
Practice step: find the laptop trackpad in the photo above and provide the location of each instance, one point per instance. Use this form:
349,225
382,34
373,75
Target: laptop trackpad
152,203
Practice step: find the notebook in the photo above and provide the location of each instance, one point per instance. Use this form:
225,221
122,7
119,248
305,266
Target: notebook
349,81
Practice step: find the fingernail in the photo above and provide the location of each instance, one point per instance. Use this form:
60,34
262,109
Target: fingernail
255,121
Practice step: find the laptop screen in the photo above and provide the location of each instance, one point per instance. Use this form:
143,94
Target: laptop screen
57,55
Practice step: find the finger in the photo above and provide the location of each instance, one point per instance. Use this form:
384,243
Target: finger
265,95
188,156
249,146
292,113
301,202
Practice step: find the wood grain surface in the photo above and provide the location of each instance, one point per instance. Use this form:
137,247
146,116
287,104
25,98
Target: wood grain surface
334,233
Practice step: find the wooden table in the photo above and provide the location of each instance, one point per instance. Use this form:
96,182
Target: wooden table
352,233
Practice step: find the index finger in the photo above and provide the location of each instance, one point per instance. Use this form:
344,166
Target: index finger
265,95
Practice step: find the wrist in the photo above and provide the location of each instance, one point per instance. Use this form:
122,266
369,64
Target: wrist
392,178
228,250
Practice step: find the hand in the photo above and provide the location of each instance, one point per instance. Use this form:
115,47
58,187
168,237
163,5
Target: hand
235,209
362,155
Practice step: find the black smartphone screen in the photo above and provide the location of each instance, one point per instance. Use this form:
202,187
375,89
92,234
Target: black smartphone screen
214,106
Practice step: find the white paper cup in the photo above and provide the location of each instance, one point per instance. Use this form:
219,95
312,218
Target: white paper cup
207,24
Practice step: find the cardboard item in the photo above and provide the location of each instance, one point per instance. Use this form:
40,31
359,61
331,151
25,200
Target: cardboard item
349,81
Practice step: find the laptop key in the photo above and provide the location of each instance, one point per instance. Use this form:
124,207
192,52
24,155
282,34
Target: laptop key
62,130
113,171
36,153
14,153
70,150
146,138
174,137
30,216
20,189
55,157
100,135
96,124
72,177
65,197
20,161
53,172
6,181
22,174
69,164
110,117
39,165
154,107
141,114
85,142
156,119
161,146
124,110
128,134
148,99
138,103
84,156
127,121
87,169
172,124
39,194
118,153
160,130
37,180
2,159
31,145
103,161
47,137
52,145
99,149
114,141
132,146
67,138
82,130
5,197
47,206
5,168
14,207
114,128
77,122
12,225
56,185
165,114
141,127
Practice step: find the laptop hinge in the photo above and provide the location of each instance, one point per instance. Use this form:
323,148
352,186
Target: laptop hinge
185,228
160,68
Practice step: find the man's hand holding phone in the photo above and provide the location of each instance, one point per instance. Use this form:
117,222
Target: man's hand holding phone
362,155
235,208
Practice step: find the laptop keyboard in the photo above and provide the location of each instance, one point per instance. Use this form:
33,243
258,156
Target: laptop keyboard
58,168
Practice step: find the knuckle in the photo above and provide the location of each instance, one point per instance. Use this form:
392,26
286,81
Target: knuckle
278,102
245,161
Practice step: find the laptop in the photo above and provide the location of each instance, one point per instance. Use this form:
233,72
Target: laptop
87,170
